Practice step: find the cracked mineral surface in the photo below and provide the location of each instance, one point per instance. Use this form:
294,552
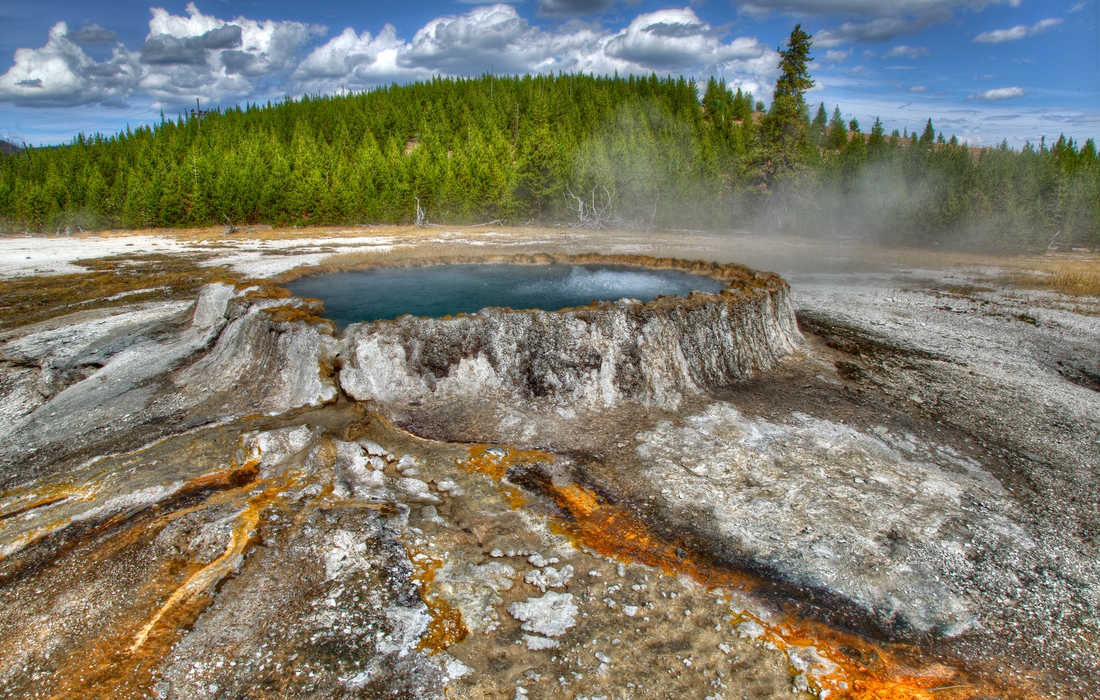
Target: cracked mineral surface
684,498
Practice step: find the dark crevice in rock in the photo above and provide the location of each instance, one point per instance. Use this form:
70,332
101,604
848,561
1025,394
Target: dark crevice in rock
1079,374
858,342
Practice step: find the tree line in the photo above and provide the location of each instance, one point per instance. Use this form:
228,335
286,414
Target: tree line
529,148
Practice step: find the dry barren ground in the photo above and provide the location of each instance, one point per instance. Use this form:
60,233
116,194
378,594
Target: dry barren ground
194,503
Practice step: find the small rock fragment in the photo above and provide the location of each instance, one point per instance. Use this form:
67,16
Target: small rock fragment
376,463
537,643
549,577
374,449
551,615
456,669
417,490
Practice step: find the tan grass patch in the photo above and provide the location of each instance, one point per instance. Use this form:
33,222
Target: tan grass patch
1063,275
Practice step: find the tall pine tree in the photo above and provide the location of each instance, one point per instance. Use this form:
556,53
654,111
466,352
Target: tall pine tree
786,124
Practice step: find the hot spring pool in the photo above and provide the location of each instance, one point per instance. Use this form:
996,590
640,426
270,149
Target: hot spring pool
441,290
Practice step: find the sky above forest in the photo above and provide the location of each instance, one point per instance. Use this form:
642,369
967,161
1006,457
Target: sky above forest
984,70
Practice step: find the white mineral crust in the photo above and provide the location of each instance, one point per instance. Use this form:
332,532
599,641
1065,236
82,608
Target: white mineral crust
551,615
549,577
875,518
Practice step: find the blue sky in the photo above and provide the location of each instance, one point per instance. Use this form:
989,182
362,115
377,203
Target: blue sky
985,70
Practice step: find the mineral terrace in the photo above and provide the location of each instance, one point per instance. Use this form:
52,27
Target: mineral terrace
859,485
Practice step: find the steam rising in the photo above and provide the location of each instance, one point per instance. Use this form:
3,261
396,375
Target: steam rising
614,284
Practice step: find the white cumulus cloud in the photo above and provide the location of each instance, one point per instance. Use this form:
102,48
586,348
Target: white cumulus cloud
203,56
1020,31
182,58
354,60
198,55
998,94
903,51
676,40
493,36
497,38
60,74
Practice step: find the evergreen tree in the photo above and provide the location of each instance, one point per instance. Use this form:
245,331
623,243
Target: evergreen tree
817,126
876,142
794,65
784,129
927,137
837,137
786,124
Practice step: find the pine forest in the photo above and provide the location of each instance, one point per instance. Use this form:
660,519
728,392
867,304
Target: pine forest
636,152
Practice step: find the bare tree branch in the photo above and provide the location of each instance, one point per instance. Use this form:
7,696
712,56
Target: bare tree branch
599,212
421,218
229,227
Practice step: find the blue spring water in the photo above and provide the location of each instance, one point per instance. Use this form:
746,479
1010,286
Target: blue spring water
441,290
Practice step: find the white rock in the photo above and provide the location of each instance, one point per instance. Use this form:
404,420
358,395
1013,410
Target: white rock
375,450
408,625
549,577
347,555
417,490
456,669
376,463
276,446
536,643
407,461
551,615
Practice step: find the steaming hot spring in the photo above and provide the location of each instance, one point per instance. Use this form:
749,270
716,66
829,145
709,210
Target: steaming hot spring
448,290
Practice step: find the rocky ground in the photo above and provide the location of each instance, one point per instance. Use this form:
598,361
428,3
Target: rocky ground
206,498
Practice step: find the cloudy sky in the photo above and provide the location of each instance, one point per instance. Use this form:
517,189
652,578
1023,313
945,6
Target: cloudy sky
984,70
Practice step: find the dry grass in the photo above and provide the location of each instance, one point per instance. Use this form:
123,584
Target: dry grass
108,282
1071,274
1063,275
878,258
